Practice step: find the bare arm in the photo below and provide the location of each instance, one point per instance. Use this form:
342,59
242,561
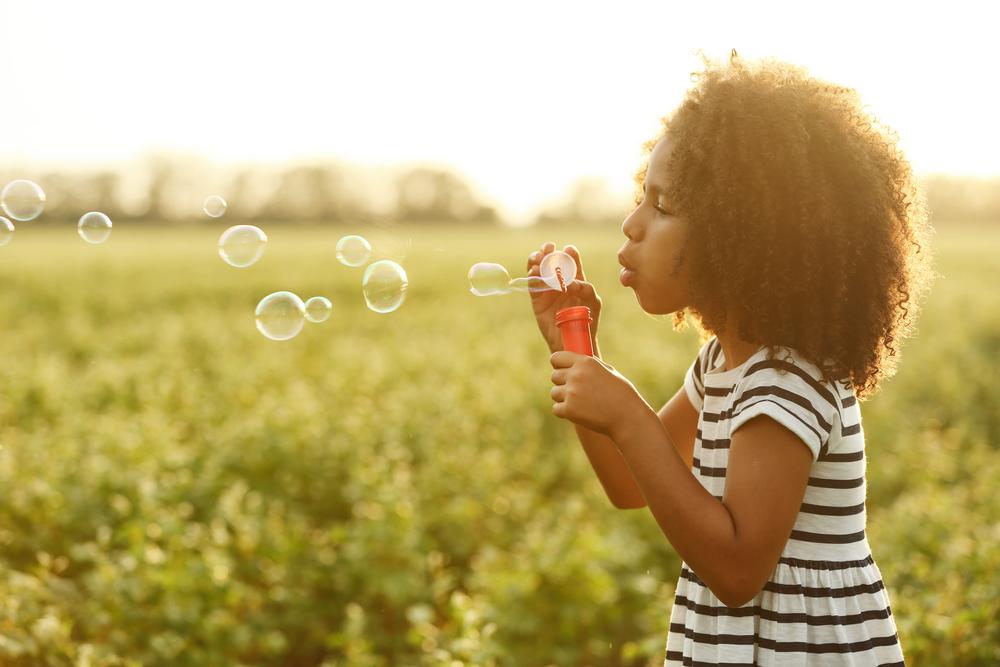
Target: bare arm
680,420
733,544
609,465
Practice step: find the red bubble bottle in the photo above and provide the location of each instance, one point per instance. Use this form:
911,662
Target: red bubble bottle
574,325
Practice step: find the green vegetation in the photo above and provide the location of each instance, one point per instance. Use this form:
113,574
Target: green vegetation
391,489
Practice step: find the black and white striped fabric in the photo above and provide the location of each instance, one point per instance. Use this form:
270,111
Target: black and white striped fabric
825,603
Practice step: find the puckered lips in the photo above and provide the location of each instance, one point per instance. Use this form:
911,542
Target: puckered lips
627,275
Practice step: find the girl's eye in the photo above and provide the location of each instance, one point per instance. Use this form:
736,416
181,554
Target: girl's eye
662,210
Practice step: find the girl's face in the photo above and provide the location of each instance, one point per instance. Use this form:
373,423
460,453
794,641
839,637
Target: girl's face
654,236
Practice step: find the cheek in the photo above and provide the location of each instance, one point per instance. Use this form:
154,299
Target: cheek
662,290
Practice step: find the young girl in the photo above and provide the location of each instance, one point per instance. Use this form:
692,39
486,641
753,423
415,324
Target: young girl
786,222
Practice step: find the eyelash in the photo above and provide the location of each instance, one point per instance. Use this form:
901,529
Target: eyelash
656,206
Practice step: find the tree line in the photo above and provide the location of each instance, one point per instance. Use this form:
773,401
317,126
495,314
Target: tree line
171,188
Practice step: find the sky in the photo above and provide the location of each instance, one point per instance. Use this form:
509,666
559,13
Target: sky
521,97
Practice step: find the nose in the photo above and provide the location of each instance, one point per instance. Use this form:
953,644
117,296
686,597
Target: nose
630,227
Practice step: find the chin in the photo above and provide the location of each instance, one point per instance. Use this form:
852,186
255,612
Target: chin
657,306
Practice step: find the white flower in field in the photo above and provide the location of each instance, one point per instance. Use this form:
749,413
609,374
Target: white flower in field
47,628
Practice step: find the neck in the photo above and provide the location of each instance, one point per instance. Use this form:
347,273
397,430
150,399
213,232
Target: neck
735,349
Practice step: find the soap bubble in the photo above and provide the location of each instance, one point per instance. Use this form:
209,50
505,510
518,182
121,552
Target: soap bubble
242,245
384,285
6,231
318,309
563,262
94,227
486,279
353,250
280,316
214,206
22,200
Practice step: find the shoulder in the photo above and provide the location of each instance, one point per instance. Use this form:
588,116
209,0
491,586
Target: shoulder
791,389
787,368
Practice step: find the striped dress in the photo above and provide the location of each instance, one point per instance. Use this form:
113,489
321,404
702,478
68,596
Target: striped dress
825,603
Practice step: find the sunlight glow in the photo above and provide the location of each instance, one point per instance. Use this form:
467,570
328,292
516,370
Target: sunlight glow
522,97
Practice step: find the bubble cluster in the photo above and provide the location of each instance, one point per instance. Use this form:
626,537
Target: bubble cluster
242,245
280,316
94,227
318,309
22,200
214,206
6,231
384,286
353,250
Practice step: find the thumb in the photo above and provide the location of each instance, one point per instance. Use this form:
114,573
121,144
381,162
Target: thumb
574,252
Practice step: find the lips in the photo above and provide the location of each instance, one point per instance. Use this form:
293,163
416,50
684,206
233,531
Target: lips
627,275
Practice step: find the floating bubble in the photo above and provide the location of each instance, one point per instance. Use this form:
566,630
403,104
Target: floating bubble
242,245
280,316
6,231
555,263
353,250
384,285
214,206
94,227
22,200
318,309
486,279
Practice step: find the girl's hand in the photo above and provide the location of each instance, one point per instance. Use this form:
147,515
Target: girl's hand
546,303
594,395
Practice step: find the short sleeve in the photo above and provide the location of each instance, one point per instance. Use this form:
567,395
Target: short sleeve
694,383
791,392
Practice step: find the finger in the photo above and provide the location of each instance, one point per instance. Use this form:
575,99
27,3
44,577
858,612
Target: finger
535,270
584,290
558,393
563,359
548,247
559,410
558,377
534,258
574,252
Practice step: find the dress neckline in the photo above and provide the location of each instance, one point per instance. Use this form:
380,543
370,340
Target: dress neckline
719,376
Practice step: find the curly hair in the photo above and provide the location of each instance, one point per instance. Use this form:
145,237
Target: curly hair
805,223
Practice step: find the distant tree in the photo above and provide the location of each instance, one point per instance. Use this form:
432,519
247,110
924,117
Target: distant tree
433,195
588,201
161,173
176,184
956,198
313,193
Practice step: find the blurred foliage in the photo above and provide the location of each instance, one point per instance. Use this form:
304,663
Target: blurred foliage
171,187
392,489
954,199
587,201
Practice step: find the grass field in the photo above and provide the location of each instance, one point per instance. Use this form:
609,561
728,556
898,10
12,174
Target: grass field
392,489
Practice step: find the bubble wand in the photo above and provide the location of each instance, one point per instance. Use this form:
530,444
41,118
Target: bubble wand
562,282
